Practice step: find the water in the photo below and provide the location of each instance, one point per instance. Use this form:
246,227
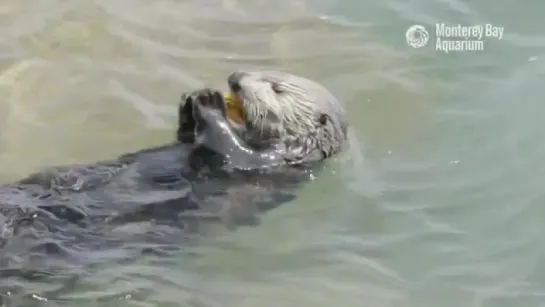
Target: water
439,203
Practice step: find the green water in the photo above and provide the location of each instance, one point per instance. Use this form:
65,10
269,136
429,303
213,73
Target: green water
438,203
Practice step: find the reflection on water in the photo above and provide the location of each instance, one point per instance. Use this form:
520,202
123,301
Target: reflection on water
444,210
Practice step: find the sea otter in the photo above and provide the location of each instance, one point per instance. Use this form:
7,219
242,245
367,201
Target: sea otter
231,160
287,120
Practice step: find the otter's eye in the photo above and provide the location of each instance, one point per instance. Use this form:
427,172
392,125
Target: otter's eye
235,87
276,88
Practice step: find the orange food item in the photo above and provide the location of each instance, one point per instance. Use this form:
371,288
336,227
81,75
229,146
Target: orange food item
234,109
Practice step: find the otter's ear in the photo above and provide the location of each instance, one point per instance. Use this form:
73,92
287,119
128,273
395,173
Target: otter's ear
322,119
276,88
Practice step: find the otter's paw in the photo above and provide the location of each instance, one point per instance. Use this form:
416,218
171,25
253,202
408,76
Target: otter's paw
186,122
207,102
185,110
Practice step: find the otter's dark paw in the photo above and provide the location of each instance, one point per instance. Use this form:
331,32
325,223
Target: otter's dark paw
186,122
185,110
207,102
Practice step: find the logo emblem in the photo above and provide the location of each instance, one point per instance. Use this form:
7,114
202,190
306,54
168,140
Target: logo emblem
417,36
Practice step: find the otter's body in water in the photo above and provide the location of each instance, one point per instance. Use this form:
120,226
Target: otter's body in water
216,170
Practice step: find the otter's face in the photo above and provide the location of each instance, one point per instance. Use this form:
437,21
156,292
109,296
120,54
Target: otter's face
291,110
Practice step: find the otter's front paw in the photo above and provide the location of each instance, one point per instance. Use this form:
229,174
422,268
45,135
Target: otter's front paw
186,122
205,102
196,109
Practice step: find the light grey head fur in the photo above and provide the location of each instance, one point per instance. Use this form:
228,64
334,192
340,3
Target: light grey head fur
296,113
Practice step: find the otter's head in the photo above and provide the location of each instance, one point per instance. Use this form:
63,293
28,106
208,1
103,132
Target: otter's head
293,112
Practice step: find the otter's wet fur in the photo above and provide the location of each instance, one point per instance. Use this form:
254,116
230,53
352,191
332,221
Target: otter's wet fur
215,171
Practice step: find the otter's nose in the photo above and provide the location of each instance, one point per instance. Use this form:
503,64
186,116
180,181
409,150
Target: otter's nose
233,80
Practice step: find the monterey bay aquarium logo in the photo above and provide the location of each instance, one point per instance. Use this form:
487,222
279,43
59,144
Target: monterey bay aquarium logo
453,38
